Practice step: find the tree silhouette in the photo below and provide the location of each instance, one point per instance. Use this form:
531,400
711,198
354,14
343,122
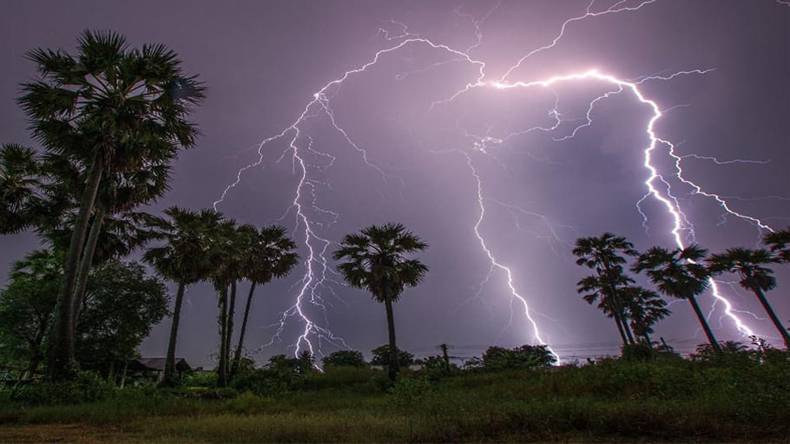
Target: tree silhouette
750,266
779,243
184,258
645,308
605,255
268,254
376,259
678,274
114,110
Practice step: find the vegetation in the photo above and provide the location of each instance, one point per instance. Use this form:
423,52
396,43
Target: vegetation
738,396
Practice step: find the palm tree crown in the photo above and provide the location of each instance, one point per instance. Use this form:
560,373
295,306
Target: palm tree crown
748,264
676,273
376,259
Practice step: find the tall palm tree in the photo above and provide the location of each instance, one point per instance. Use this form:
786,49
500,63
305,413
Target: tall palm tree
184,258
679,274
645,308
598,289
606,255
111,109
376,259
750,266
268,254
779,243
227,243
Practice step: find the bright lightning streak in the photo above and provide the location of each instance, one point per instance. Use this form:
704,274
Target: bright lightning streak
494,262
316,265
615,8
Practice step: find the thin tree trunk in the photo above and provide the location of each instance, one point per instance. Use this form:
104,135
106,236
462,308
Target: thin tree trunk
229,328
774,318
223,323
619,323
87,261
394,365
704,322
123,374
237,356
61,345
169,378
627,329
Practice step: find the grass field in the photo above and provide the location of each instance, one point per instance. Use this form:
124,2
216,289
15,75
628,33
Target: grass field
621,401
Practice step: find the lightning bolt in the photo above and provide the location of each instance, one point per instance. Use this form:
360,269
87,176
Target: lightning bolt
316,277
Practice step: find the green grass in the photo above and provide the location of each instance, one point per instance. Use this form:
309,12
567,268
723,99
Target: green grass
619,401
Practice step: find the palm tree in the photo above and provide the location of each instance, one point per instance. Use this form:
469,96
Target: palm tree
606,255
779,243
678,274
227,243
111,109
598,289
20,183
376,259
184,259
750,266
645,308
268,254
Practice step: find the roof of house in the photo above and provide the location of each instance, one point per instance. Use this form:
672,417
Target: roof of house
157,364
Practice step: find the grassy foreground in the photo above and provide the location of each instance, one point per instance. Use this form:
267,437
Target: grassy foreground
616,400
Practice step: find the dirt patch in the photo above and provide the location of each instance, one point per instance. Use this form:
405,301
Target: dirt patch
66,433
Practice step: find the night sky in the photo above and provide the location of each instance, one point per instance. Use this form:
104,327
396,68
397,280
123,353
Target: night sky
263,61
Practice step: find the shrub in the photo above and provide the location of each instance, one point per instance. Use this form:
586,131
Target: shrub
87,387
345,358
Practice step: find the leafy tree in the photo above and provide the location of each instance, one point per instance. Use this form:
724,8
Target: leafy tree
345,358
122,304
268,254
526,356
382,355
185,258
111,110
750,266
679,274
26,306
376,260
606,255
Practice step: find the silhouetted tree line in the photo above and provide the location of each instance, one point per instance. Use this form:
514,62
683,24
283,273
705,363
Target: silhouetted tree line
681,273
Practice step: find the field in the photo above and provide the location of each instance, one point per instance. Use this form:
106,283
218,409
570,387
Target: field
615,400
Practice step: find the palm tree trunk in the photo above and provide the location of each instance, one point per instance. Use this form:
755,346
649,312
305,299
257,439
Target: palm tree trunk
394,366
237,356
619,323
704,322
229,328
169,377
61,347
774,318
222,380
87,261
628,333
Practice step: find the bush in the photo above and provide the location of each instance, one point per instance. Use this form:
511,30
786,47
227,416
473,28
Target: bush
200,379
526,356
87,387
345,358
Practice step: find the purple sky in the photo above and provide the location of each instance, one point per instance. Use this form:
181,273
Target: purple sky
263,61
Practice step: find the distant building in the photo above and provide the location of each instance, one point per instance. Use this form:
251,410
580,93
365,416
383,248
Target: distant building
155,367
